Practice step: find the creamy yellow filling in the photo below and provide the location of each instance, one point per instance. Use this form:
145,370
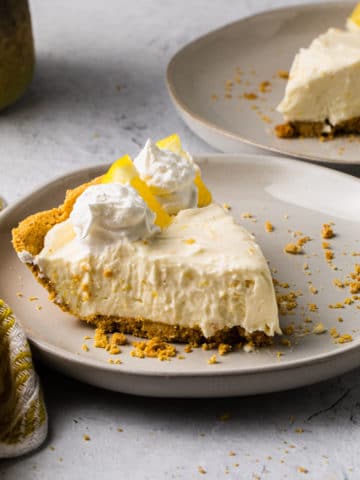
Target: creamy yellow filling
203,270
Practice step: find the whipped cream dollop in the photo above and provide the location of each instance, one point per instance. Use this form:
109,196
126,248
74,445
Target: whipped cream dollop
111,211
170,176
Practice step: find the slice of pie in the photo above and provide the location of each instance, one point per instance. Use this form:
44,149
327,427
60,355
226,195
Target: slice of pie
113,256
322,96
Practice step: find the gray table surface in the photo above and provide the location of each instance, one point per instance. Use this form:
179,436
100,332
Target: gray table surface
98,91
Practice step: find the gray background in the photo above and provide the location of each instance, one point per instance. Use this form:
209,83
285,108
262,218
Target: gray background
99,90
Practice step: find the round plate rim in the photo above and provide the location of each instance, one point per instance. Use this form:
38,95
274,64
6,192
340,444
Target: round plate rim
62,354
185,110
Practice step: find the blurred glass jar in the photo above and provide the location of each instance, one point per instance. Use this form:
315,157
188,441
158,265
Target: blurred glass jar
17,58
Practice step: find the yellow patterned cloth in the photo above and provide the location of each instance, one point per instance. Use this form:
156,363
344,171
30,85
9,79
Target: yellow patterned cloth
23,418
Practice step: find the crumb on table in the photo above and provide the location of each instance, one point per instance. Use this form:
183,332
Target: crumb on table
327,231
268,227
293,248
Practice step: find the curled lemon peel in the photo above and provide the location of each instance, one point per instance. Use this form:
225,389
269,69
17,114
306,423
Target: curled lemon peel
355,15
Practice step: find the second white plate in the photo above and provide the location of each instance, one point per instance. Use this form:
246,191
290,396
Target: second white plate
251,51
291,195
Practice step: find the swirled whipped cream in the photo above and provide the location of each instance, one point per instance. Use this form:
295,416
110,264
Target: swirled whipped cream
110,212
170,177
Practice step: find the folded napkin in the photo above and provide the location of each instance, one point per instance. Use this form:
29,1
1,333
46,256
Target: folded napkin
23,418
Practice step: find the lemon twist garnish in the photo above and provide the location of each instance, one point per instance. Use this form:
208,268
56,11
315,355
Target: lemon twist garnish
173,144
355,16
124,171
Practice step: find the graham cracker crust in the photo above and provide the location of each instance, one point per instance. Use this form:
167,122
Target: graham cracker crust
316,129
29,235
144,328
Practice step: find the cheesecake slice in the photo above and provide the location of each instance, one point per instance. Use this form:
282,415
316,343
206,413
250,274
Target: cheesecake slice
112,256
322,94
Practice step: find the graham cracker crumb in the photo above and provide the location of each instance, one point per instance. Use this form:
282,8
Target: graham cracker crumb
301,241
232,453
250,96
100,338
329,255
319,329
338,283
87,337
246,215
266,119
201,470
84,347
188,349
292,248
283,74
355,287
327,231
336,305
32,298
345,338
226,206
299,430
113,349
119,429
189,241
214,97
265,86
224,348
302,470
181,357
19,294
312,307
154,348
108,273
268,227
118,339
86,438
334,333
287,302
212,360
115,362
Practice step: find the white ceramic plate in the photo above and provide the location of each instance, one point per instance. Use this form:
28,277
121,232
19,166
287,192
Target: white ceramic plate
260,46
270,190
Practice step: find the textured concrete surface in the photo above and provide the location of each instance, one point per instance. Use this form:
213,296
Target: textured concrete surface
99,91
